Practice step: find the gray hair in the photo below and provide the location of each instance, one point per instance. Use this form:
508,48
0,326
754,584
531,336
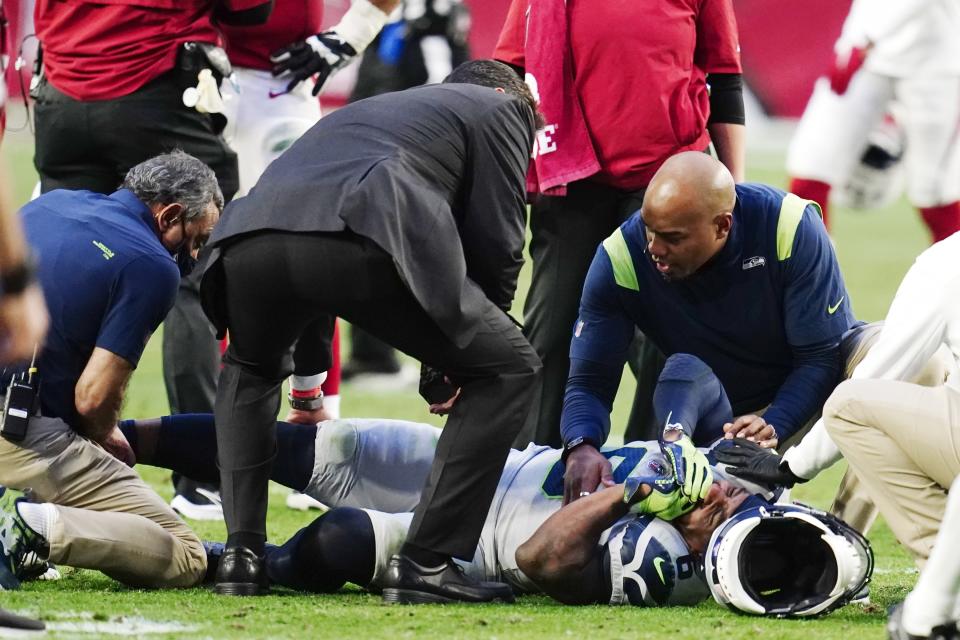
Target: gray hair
175,177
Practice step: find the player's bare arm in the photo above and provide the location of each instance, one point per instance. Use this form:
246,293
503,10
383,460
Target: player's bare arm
563,557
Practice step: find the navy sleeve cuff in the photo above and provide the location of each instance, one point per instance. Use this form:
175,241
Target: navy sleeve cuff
805,390
584,416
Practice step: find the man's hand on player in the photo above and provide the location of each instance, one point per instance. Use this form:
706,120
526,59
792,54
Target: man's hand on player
319,55
586,469
691,469
753,428
443,408
753,462
115,443
845,64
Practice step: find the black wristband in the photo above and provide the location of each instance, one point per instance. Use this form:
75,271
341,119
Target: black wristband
14,281
573,444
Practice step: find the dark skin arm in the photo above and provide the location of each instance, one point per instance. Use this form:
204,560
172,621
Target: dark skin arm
563,558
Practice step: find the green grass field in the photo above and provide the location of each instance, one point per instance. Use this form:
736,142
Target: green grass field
875,250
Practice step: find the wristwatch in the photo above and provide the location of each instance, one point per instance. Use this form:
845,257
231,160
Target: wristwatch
15,280
302,402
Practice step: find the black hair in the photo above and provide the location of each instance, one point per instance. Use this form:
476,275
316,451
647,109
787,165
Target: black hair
497,75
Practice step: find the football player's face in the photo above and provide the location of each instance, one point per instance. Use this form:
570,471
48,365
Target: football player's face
721,503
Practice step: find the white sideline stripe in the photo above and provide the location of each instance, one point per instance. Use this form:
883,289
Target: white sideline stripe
906,571
116,625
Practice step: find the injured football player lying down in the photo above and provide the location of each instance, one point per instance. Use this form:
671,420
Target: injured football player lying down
640,542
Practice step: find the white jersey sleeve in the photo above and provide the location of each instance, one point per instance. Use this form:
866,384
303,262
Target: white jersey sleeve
923,324
650,565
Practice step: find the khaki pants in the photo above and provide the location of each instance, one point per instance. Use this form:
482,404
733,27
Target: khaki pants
109,519
902,441
852,503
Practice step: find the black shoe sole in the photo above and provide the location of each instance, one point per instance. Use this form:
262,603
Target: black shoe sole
410,596
240,589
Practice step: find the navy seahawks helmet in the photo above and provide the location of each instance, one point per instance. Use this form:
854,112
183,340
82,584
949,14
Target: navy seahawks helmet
786,560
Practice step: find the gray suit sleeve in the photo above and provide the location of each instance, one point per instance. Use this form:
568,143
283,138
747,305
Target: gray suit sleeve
493,214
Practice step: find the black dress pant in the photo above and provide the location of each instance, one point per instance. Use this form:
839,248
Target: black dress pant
91,145
278,293
566,232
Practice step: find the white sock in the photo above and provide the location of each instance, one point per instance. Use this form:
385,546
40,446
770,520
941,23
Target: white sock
933,600
39,517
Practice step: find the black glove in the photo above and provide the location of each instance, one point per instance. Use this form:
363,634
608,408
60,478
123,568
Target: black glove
321,54
434,386
750,461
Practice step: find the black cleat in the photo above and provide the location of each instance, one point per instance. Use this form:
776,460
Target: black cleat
241,572
407,582
895,630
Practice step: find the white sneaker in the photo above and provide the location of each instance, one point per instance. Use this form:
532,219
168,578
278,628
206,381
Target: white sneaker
303,502
198,504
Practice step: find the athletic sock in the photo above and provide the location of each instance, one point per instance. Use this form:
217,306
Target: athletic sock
934,598
187,444
814,190
943,221
338,547
296,452
129,430
690,394
39,517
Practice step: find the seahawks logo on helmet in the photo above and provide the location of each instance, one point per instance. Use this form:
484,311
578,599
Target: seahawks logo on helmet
648,577
657,567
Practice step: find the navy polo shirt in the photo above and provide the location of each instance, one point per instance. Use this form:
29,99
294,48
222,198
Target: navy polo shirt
107,280
767,314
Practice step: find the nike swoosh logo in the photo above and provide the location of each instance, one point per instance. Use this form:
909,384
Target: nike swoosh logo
656,565
833,308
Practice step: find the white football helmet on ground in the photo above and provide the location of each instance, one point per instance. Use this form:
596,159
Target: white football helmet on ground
786,560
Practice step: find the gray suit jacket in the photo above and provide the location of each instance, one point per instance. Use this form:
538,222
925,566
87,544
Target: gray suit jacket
433,175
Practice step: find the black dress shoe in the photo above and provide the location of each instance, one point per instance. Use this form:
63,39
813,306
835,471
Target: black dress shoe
407,582
241,572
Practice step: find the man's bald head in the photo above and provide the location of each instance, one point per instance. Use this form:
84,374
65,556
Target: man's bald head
687,211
